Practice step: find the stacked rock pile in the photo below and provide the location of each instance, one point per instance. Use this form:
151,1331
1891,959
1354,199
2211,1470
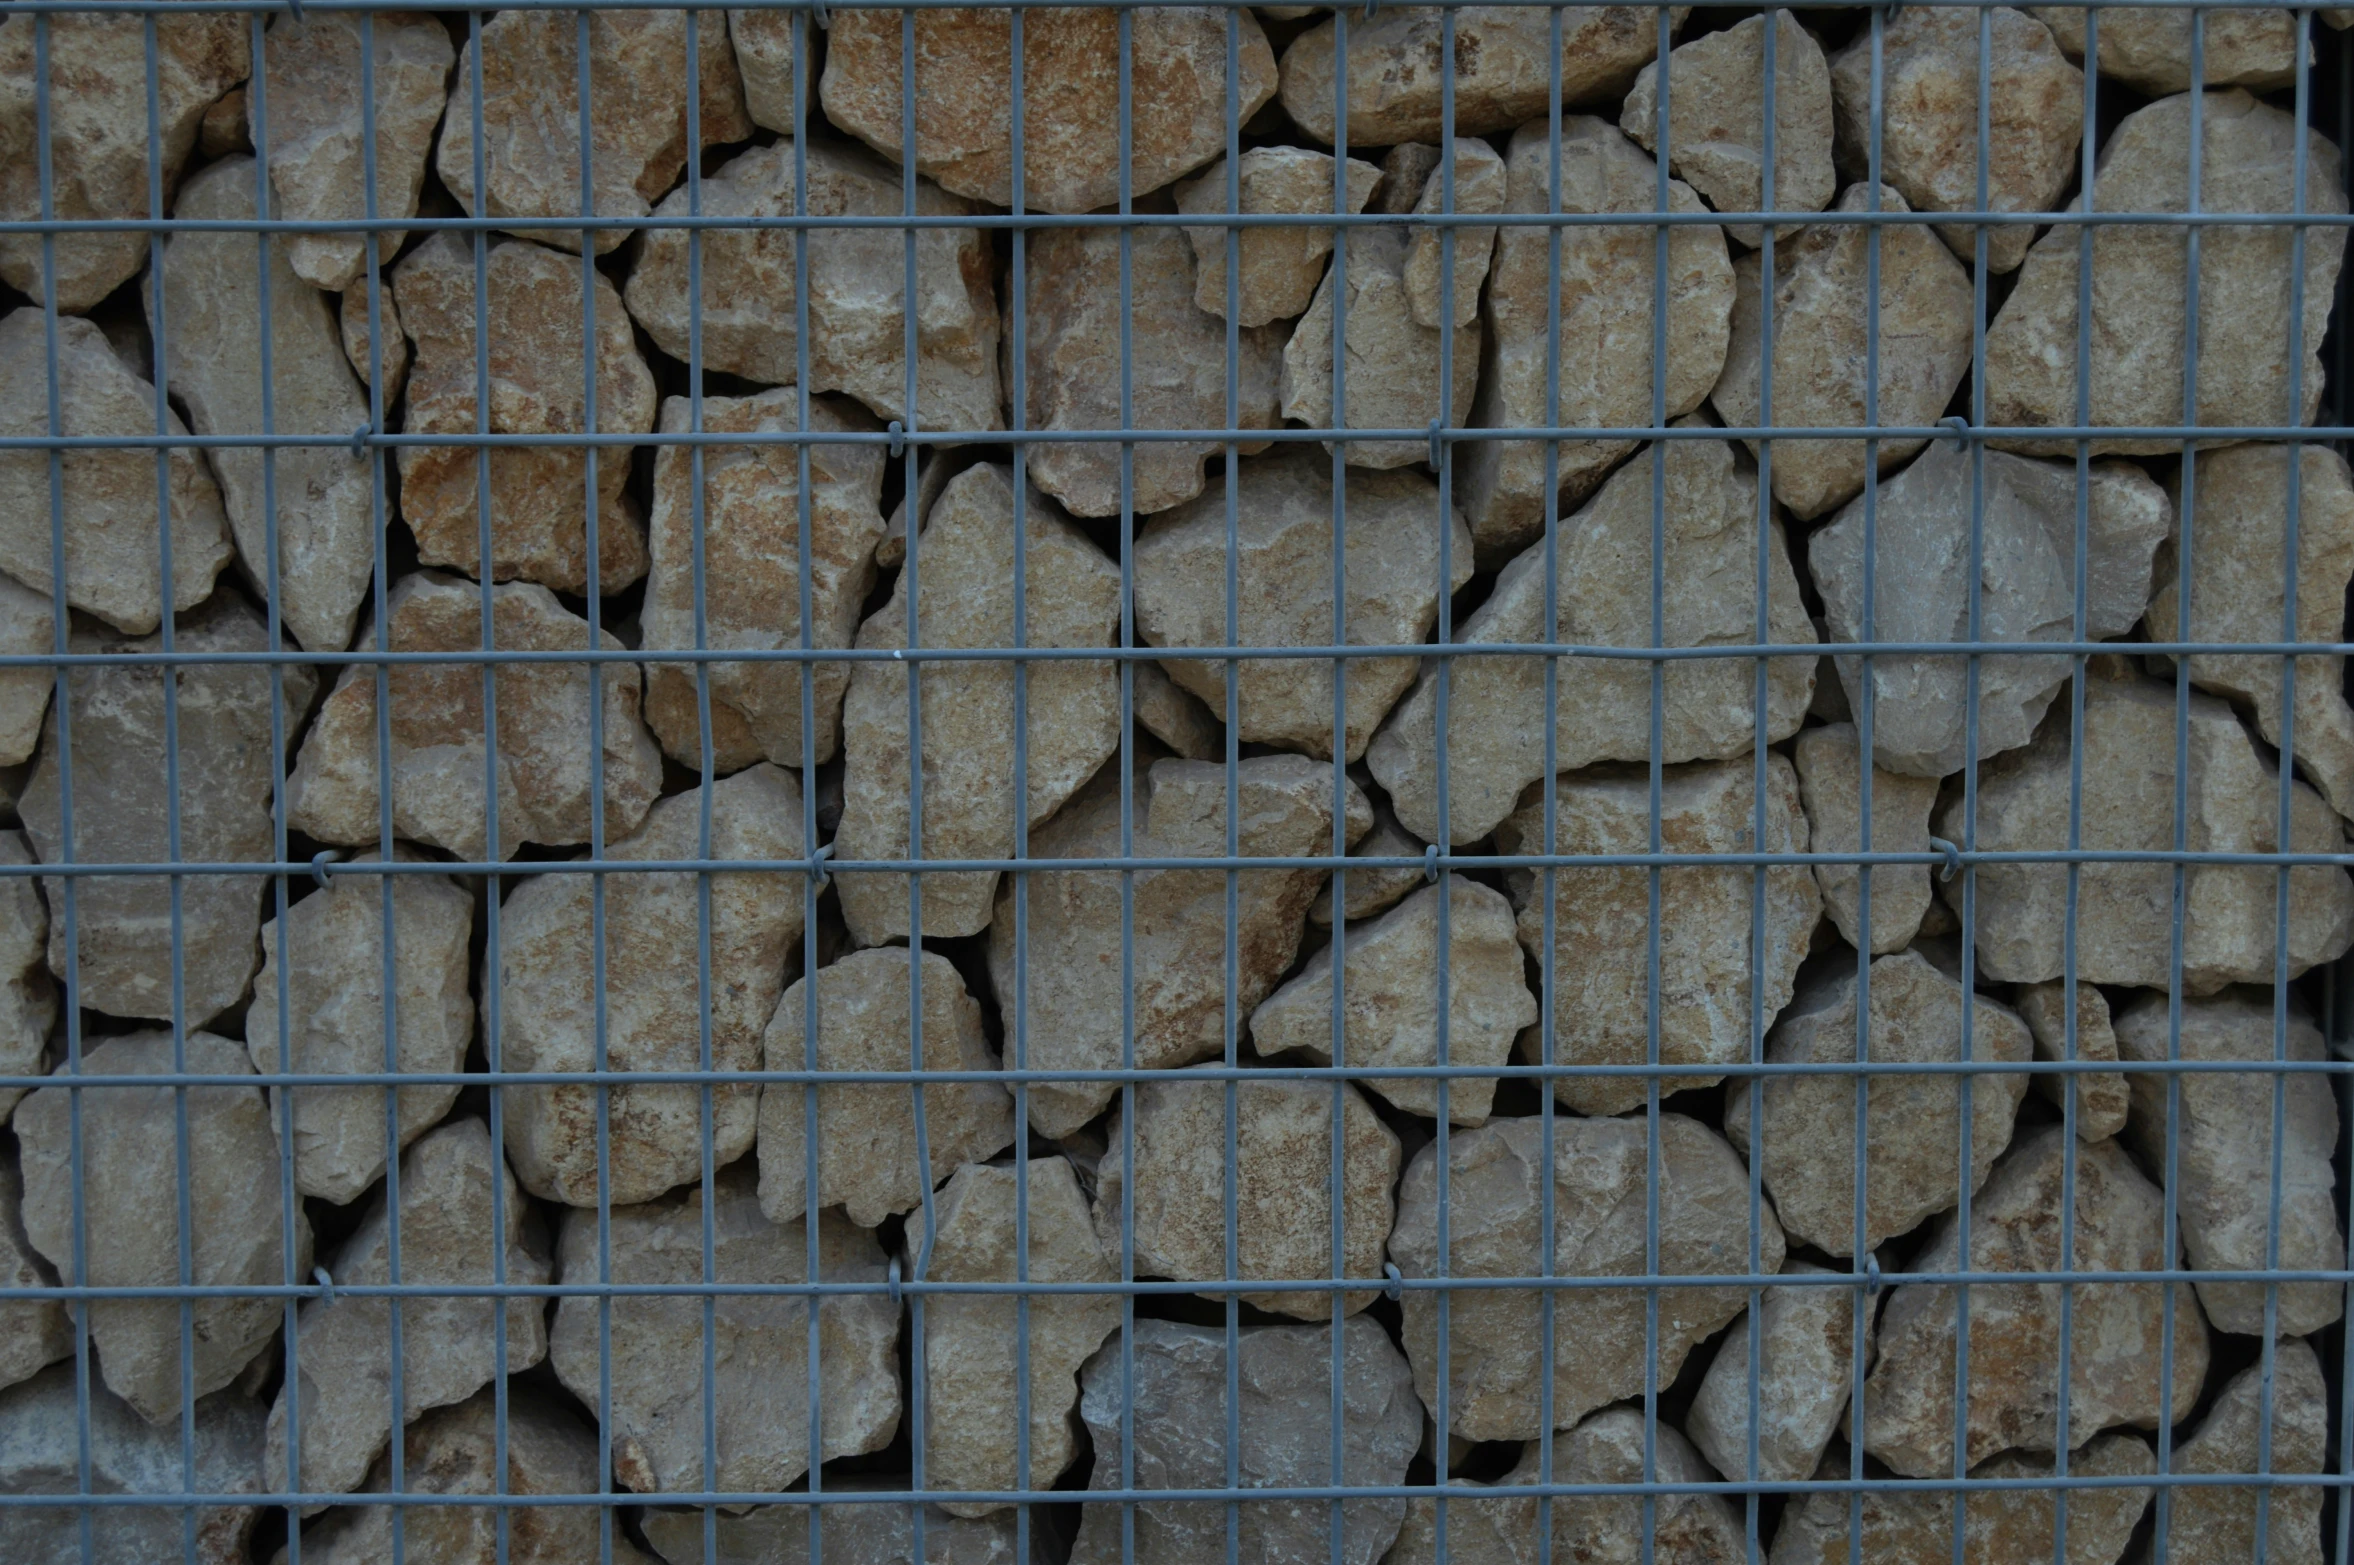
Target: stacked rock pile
644,545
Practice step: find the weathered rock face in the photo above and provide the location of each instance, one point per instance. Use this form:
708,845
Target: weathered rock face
1285,1380
358,348
852,1533
112,566
1608,287
1173,716
2100,1099
33,1332
546,763
1391,543
28,625
2026,569
28,1000
762,1340
652,929
1806,1368
2219,1522
2125,912
2150,49
964,565
2117,1335
1478,189
223,131
750,581
1284,1225
1496,1229
1829,762
1076,994
857,287
1370,891
1602,708
2223,1150
763,41
1716,120
2140,301
1399,373
1280,266
539,495
1602,988
129,1142
123,802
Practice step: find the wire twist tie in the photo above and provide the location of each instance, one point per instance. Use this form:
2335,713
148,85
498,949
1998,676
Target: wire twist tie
1871,1276
322,865
1437,444
1953,421
1953,858
1430,863
894,1280
1396,1289
817,866
898,438
361,435
1371,6
326,1287
294,9
819,15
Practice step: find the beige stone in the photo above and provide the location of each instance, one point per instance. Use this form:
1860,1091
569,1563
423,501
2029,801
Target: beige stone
1396,372
223,131
1478,189
1829,762
28,1000
1405,169
33,1332
28,627
2101,1096
851,1533
1716,120
1371,891
1915,1527
1280,267
2149,49
2219,1522
1166,711
763,42
1807,1363
357,343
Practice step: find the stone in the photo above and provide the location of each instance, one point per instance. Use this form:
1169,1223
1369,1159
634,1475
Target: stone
1372,891
28,627
33,1332
857,287
851,1533
2219,1522
1806,1365
97,105
1912,1123
1479,189
121,1199
2149,49
763,42
750,577
1176,369
2223,1152
2140,300
1071,80
1830,788
448,1345
1405,169
656,1348
318,127
1399,373
1280,267
1390,999
637,117
1599,1170
2101,1097
963,565
1073,991
357,345
1608,284
866,1158
28,1000
1284,561
1602,990
1822,308
1284,1226
1930,75
539,495
655,1016
2025,516
1601,709
223,132
1716,120
1284,1381
1164,710
112,565
2117,1330
546,789
2125,911
126,792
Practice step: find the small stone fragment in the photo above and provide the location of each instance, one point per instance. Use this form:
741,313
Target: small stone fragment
1806,1367
1716,120
2149,49
1479,190
223,133
763,41
28,1000
851,1533
28,627
1280,266
32,1332
356,346
1830,787
1371,891
1163,710
2100,1098
1405,169
2219,1522
1393,363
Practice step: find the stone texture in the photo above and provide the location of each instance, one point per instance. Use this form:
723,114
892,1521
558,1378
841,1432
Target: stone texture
1495,1226
1170,714
1602,991
223,131
28,1000
1394,374
763,42
762,1341
653,924
2219,1522
356,345
2224,1153
1912,1123
852,1534
545,784
2025,514
1283,564
123,806
28,625
539,495
1830,788
1716,120
964,563
1806,1367
32,1332
1280,266
1479,190
1608,282
1075,991
1371,891
2140,300
2149,49
1285,1418
1071,98
122,1198
2101,1098
2117,1329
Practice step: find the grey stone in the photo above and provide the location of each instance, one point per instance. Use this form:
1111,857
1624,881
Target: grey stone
1806,1366
2101,1097
1170,714
1371,891
1280,266
852,1533
1479,184
1399,373
28,627
2149,49
2219,1522
28,1000
33,1332
1716,120
1915,1527
1829,762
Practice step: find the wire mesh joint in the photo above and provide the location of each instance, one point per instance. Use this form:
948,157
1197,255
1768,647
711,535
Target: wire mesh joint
1430,863
894,1282
326,1287
1871,1276
817,866
1397,1283
898,433
322,865
1438,443
1953,858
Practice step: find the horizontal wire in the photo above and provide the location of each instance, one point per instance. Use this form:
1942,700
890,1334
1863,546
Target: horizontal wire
820,8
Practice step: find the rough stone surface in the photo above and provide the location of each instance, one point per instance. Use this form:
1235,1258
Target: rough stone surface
1806,1363
1495,1225
545,783
1830,787
32,1333
2117,1329
853,1534
2140,299
1394,375
2149,49
2101,1098
1479,190
1170,714
28,1000
356,345
763,41
1280,266
1716,120
28,625
1371,891
223,131
1283,565
2219,1523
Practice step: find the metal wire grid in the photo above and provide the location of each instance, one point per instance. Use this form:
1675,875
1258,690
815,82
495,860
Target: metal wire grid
905,442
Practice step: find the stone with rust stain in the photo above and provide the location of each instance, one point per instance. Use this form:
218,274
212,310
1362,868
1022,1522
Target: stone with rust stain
2149,49
2219,1522
1915,1527
1716,120
1478,189
1281,266
2101,1097
357,343
1396,372
1806,1364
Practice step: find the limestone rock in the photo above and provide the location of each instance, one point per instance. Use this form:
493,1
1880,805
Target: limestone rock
1830,787
964,565
2140,301
121,1198
1166,712
2219,1522
223,131
1495,1226
1602,709
763,1340
1806,1367
1280,266
1284,564
1608,284
1372,891
1393,370
1716,120
28,1000
2223,1147
32,1332
2117,1329
763,41
356,343
2149,49
653,924
2101,1099
851,1533
539,495
1478,189
1602,995
28,625
1071,144
545,787
1405,169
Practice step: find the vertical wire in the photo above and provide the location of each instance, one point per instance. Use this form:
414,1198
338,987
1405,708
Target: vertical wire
1127,515
1754,1330
1336,1171
1230,953
1865,709
1442,685
1018,303
1966,1155
1550,883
